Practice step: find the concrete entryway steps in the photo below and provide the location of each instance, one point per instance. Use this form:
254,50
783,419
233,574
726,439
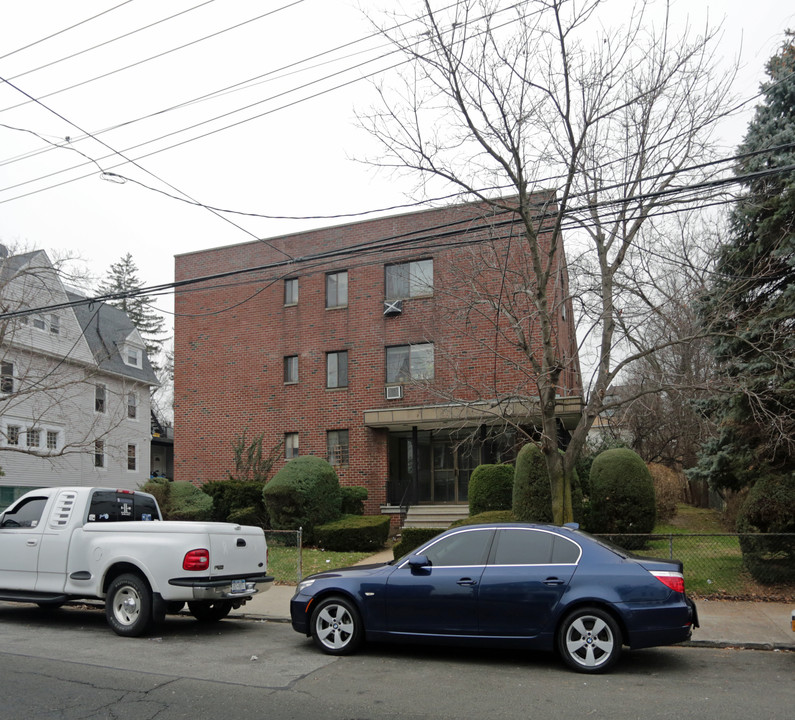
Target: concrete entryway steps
440,516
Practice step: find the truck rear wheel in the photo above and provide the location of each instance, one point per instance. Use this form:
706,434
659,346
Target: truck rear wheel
128,605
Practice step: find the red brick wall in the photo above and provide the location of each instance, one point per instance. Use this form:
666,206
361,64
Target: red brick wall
232,334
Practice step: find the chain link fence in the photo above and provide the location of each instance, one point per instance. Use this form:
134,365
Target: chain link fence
727,565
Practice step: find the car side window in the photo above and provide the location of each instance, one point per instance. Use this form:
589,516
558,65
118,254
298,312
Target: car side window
523,547
26,515
469,547
565,552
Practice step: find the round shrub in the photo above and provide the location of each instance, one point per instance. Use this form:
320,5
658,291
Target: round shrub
532,495
304,493
353,497
769,508
622,496
180,500
490,488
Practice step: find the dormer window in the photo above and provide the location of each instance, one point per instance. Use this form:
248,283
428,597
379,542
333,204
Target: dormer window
133,356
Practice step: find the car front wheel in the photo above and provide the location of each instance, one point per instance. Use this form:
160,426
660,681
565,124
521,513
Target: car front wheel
128,605
589,640
336,626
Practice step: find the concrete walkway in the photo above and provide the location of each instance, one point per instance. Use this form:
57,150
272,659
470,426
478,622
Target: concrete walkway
724,623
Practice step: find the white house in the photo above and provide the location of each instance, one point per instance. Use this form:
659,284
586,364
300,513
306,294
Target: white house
75,385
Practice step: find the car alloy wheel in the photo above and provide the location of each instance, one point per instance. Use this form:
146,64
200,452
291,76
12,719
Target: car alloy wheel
589,640
336,626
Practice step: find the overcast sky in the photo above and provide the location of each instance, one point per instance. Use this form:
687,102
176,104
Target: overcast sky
280,141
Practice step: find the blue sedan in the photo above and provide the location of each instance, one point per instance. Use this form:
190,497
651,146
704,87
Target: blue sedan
503,585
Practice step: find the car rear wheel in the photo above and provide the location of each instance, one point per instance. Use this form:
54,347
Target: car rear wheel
210,611
128,605
336,626
589,640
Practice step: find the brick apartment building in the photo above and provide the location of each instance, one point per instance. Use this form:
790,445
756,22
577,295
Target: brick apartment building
371,344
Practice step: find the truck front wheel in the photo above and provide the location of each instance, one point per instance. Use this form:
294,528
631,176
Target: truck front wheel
128,605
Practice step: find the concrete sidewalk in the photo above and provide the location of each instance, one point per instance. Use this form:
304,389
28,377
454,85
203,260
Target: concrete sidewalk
724,623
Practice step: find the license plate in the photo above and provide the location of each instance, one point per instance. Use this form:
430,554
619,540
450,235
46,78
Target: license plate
238,586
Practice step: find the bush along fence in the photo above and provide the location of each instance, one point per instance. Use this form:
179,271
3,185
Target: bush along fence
730,565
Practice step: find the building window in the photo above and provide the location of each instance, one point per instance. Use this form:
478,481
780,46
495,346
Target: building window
38,322
291,291
408,280
291,369
52,439
12,434
132,457
337,444
99,398
55,325
133,356
132,405
337,289
34,437
99,453
405,363
337,369
7,377
290,445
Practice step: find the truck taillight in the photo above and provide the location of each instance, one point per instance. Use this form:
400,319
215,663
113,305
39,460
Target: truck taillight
196,560
673,580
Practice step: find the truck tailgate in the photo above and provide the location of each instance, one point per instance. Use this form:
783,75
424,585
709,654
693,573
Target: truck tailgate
237,550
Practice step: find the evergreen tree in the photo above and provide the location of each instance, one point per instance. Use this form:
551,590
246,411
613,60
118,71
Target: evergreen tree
751,303
123,279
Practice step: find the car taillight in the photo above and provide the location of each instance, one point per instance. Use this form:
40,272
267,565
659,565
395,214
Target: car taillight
196,560
673,580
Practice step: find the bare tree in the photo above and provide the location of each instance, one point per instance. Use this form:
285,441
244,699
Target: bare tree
551,118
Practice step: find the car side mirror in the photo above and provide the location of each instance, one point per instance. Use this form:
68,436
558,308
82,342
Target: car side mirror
418,562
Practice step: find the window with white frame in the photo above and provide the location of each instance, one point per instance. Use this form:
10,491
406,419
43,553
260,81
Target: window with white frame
405,363
100,398
133,356
337,369
132,456
6,377
12,434
291,369
52,440
38,322
337,289
337,446
132,405
99,453
409,279
291,291
55,325
290,445
34,437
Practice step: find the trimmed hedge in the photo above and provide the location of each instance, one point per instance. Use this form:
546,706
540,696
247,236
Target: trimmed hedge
304,493
491,488
354,533
769,508
353,498
622,496
532,495
180,500
238,501
412,538
490,516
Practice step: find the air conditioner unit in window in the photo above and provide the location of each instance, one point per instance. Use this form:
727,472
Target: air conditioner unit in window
394,392
393,307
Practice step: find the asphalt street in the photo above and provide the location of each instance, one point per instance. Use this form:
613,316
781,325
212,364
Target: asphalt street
69,665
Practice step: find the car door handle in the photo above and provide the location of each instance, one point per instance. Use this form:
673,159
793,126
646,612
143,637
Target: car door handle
31,543
467,581
553,581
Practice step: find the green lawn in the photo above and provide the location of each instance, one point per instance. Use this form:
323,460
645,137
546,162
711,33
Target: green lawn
283,562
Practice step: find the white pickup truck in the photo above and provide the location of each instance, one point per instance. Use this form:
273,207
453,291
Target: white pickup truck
77,543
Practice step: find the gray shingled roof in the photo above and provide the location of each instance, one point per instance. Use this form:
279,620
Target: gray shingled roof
105,329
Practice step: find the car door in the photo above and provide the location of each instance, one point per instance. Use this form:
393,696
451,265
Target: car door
20,540
440,598
528,571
